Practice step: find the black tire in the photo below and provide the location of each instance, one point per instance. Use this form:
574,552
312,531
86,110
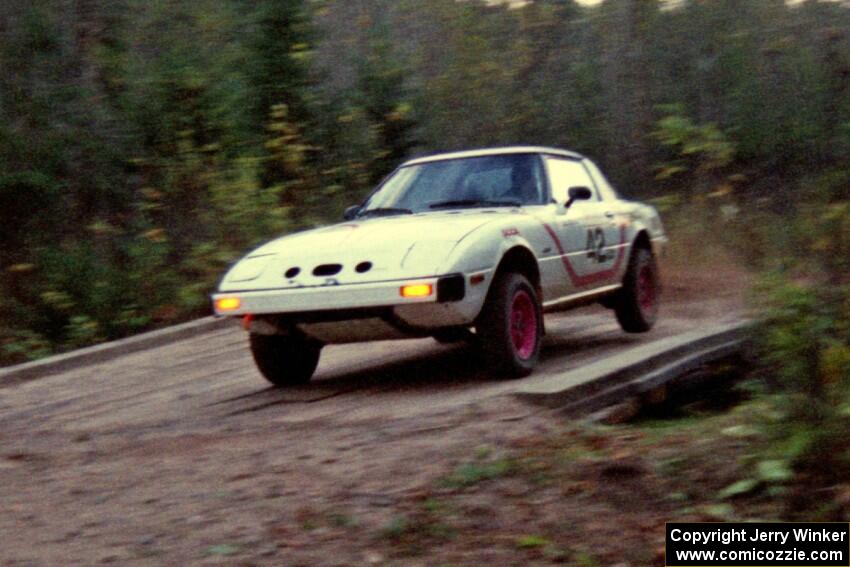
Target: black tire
285,360
636,304
451,335
495,326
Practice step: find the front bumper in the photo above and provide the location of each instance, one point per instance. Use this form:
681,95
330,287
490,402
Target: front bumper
340,297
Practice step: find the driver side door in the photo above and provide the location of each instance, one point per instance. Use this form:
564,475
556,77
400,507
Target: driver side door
581,229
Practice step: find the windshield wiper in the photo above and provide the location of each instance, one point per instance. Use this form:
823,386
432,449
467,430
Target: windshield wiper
384,211
473,203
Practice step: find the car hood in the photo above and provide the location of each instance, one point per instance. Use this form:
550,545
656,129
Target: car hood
385,248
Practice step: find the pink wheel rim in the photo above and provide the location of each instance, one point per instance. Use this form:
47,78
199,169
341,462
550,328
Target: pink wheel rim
646,292
523,318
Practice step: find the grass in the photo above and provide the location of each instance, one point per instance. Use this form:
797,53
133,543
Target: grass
397,527
343,520
532,541
222,550
590,495
470,474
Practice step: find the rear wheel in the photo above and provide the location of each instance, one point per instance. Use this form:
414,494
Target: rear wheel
636,305
510,327
285,360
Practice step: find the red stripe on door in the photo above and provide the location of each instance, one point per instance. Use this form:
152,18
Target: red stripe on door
579,280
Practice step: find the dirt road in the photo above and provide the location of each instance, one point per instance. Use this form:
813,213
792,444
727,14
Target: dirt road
181,454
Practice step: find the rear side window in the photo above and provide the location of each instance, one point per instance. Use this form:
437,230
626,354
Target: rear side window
566,173
605,189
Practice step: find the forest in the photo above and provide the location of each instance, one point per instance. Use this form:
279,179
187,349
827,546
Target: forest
145,145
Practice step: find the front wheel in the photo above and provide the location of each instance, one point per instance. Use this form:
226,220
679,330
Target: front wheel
510,327
636,304
285,360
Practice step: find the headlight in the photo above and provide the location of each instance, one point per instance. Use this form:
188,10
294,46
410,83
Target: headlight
248,269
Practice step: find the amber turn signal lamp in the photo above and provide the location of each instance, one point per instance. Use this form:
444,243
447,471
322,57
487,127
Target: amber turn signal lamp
417,290
227,303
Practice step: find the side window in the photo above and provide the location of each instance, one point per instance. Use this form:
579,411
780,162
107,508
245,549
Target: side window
566,173
608,193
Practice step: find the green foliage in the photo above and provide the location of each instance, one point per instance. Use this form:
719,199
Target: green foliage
138,166
774,470
27,200
470,474
768,472
531,542
23,345
824,235
381,82
397,527
739,488
145,145
701,148
804,341
279,51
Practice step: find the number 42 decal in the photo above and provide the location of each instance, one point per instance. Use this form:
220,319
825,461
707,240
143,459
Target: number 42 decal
596,245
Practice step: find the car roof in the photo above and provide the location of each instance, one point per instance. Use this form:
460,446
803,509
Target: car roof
494,152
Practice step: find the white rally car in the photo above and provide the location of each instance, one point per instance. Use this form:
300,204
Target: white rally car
472,246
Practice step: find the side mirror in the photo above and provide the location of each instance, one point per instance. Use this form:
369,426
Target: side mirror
351,212
577,194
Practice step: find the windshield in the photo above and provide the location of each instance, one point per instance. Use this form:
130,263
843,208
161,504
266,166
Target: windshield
487,181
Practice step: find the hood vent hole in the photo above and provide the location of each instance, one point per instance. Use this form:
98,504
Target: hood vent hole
327,270
363,267
292,272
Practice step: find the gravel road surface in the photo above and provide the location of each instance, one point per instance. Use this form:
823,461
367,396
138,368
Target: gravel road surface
182,454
